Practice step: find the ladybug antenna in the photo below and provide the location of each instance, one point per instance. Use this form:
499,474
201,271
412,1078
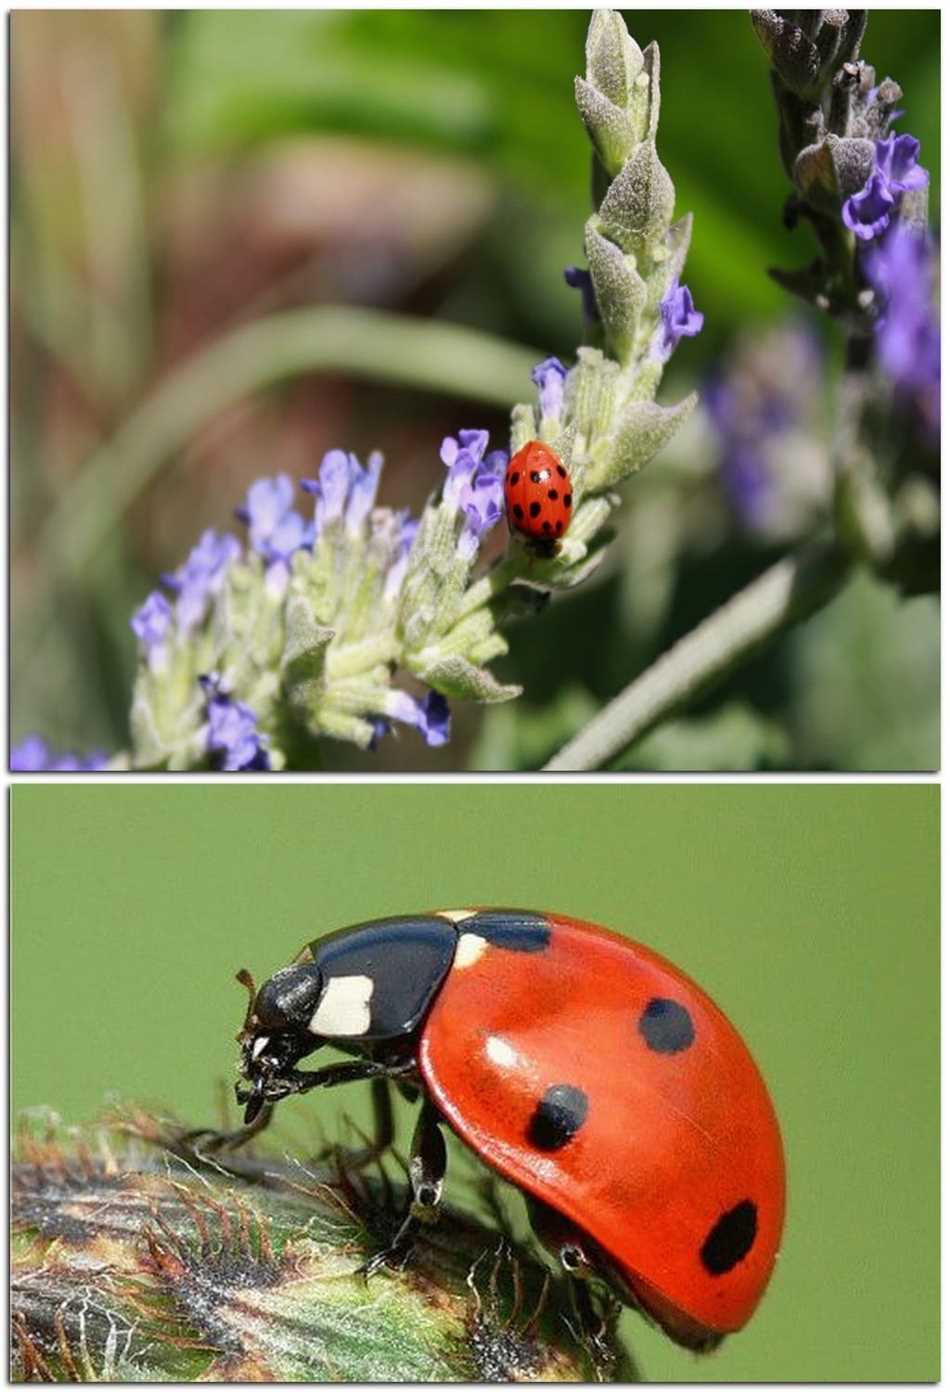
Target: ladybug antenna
247,981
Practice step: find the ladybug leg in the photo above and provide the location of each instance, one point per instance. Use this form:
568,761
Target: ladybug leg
579,1264
427,1165
206,1141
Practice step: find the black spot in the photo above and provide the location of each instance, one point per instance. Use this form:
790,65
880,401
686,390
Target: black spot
552,494
568,500
559,527
518,511
558,1117
534,509
666,1026
562,471
535,476
544,475
510,928
730,1238
545,526
513,477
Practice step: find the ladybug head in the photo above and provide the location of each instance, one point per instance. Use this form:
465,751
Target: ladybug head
275,1034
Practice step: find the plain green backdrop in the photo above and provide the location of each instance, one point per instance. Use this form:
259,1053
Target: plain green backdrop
810,913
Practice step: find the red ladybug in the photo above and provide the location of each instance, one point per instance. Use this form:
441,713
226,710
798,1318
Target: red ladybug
538,493
583,1067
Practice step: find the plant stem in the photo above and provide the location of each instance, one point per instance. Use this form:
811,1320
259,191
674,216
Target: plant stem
788,592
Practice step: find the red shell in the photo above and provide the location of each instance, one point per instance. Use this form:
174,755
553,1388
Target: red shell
678,1163
538,493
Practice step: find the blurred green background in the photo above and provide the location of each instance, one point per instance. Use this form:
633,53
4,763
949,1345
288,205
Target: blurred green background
178,174
809,913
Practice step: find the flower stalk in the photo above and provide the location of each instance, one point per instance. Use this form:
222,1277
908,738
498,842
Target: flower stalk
134,1260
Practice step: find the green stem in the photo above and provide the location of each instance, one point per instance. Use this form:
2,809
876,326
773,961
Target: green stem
785,594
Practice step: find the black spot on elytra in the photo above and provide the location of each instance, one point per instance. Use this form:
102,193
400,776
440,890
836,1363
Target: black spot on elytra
730,1238
534,509
518,511
552,494
513,477
562,471
510,929
558,1117
545,526
666,1026
535,476
559,527
568,500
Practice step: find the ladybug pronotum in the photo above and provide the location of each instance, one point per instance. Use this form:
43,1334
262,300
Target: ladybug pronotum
581,1066
538,493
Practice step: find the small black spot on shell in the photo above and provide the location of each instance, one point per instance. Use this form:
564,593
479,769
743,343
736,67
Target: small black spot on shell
535,476
666,1026
559,527
518,511
545,526
552,494
568,500
513,477
562,471
558,1117
534,509
730,1238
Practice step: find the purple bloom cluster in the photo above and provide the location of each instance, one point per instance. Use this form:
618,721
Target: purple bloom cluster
344,490
275,529
233,739
33,755
868,213
473,485
901,268
194,583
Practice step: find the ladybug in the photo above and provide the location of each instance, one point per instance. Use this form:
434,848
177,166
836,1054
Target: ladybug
581,1066
538,493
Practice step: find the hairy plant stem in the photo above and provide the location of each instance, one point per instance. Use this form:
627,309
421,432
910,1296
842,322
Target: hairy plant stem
788,592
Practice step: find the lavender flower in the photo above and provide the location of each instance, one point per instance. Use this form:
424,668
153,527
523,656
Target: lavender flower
233,740
152,624
579,279
344,490
902,271
201,577
33,755
473,485
680,319
549,377
275,530
431,716
868,214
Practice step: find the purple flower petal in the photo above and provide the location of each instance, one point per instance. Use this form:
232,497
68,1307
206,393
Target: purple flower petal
549,378
201,576
896,161
431,716
233,740
152,621
868,213
579,279
680,319
33,755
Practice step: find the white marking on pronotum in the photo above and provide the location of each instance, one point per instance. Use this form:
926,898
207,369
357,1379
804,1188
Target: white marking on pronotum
456,915
259,1045
470,948
344,1007
501,1052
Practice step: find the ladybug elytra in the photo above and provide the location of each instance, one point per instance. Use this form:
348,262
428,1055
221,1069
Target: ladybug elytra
538,493
581,1066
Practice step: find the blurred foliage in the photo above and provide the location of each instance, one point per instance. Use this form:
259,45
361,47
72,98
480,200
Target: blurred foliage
175,174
